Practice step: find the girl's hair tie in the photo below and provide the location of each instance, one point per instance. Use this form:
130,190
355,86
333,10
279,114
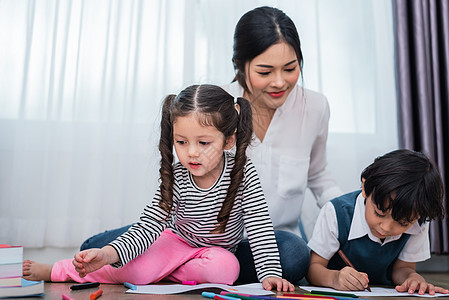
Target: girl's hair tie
236,105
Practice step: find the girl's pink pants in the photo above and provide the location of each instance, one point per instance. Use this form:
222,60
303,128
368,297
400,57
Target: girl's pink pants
168,258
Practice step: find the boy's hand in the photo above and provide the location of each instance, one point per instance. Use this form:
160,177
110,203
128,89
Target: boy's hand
93,259
416,282
348,279
280,284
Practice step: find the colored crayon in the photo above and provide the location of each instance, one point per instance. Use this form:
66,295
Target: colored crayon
297,298
349,263
248,297
212,295
315,297
97,294
308,295
85,285
323,293
130,285
335,297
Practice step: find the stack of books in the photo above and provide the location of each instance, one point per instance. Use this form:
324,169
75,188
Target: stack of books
10,265
11,282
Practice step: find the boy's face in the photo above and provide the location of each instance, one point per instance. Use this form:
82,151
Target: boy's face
381,223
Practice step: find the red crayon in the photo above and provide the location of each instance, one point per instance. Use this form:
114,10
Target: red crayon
97,294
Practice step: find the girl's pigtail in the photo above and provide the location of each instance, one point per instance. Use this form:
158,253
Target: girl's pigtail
166,149
244,136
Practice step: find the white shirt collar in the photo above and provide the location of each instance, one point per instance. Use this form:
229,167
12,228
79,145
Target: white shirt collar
360,228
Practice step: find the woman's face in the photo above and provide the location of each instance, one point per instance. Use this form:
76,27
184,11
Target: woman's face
272,75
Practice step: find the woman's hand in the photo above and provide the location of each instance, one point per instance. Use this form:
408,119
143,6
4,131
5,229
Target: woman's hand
349,279
280,284
93,259
416,282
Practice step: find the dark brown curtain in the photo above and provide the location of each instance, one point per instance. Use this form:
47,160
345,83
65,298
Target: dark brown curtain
422,76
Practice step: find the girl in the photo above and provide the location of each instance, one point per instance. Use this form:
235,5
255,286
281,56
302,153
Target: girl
203,204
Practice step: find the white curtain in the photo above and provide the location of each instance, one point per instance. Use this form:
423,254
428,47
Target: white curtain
81,84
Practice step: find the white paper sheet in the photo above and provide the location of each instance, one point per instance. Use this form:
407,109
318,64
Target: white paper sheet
252,288
375,291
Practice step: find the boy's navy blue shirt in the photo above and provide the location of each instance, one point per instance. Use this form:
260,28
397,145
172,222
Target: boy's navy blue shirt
367,256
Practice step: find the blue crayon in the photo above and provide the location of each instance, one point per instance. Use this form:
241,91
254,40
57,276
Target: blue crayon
130,286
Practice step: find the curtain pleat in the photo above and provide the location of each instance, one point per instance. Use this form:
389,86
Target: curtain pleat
422,76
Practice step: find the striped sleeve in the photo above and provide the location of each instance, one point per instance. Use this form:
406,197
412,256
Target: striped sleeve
259,227
141,235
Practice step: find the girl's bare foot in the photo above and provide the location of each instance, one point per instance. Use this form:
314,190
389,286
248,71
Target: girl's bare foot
36,271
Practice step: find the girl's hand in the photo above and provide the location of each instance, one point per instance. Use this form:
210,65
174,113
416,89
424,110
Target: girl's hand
280,284
349,279
416,282
93,259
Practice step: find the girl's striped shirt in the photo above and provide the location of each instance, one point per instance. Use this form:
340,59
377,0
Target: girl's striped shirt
194,216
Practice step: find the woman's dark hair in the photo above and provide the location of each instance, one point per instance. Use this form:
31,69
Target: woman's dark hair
256,31
406,182
214,107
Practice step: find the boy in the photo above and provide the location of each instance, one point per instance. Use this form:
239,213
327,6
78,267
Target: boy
382,229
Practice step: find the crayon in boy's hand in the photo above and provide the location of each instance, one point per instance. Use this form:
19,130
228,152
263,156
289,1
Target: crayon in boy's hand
349,263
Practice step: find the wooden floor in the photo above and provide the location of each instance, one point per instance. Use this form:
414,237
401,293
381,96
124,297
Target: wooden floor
110,291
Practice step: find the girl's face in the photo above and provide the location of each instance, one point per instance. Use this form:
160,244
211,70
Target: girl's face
381,223
272,75
200,149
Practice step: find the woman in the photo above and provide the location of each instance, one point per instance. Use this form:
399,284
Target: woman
290,125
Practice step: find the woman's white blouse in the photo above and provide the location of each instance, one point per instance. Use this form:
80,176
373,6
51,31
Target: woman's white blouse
292,156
